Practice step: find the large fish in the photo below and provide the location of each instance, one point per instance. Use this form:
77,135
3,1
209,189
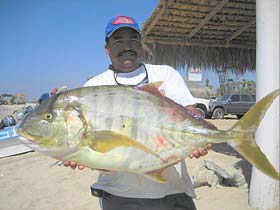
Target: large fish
135,130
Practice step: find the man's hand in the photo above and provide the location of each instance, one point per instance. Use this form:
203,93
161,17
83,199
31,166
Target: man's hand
200,151
73,165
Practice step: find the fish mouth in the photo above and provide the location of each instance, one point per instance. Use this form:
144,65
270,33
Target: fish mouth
26,141
28,137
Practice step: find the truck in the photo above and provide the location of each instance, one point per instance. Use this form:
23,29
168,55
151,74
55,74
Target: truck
235,104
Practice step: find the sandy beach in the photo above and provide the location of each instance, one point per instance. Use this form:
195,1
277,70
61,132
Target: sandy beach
29,182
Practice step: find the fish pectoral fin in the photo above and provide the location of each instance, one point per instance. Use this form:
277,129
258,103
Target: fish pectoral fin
156,176
105,141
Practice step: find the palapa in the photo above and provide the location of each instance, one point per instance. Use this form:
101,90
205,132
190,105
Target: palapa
218,35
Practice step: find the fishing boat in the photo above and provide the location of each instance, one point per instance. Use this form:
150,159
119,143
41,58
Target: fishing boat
10,132
9,142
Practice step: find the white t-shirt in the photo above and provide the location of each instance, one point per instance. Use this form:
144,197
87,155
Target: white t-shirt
133,185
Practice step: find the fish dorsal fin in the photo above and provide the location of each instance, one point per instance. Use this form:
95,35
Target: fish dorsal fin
152,88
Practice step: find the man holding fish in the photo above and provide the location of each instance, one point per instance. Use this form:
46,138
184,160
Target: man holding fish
135,122
127,191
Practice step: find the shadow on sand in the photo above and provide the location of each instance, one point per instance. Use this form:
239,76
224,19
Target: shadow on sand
243,164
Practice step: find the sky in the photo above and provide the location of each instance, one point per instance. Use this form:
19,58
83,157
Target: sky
53,43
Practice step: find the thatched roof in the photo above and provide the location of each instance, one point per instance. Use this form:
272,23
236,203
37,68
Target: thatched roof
215,34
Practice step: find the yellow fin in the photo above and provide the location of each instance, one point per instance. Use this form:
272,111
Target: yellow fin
252,152
105,141
156,176
245,129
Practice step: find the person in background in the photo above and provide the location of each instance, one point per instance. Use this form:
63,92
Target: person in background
54,91
126,191
44,97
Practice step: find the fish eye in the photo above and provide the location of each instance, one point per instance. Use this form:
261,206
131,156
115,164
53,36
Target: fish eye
48,116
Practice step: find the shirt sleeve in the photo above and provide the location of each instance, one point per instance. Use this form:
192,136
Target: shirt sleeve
106,78
90,82
175,88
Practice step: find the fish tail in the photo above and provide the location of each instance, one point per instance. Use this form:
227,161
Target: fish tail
244,132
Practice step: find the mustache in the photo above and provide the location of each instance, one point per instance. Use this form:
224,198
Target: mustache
132,52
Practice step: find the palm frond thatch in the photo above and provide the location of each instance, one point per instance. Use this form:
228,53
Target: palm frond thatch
216,34
211,58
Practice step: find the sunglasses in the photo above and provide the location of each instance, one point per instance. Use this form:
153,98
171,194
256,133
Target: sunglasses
144,80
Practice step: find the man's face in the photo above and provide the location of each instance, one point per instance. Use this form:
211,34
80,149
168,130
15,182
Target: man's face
125,49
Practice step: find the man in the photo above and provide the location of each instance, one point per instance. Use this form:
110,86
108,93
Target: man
125,191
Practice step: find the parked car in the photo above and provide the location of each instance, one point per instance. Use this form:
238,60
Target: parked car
235,104
202,106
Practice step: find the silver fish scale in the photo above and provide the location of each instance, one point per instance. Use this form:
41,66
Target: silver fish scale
136,114
119,113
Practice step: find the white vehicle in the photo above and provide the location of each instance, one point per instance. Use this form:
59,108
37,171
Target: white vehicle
202,105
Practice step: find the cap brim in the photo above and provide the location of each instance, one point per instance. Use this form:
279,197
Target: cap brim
123,26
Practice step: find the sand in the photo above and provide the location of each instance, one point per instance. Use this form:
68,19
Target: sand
29,182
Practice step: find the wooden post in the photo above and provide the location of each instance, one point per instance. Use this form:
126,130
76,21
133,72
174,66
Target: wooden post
264,191
155,53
